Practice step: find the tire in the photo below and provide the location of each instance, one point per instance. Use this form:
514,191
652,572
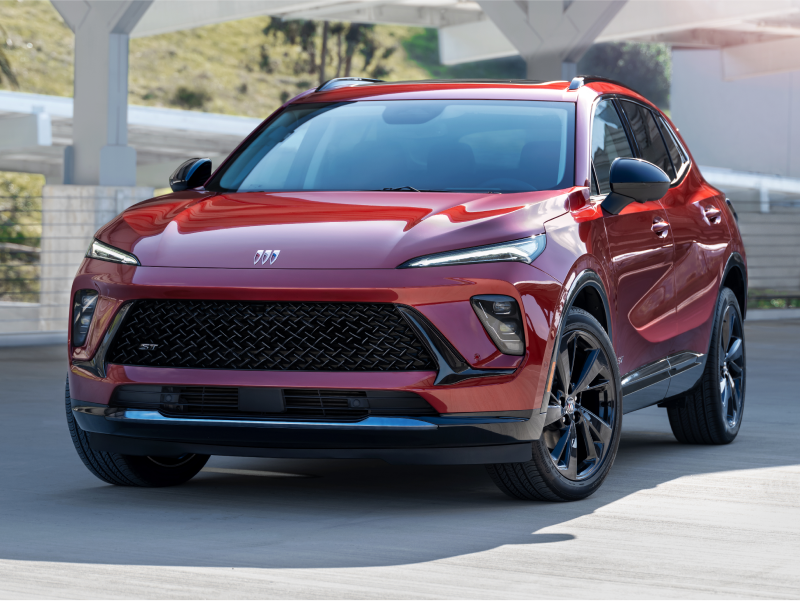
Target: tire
131,470
578,407
711,413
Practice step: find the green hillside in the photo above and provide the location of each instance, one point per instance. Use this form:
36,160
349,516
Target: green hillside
247,67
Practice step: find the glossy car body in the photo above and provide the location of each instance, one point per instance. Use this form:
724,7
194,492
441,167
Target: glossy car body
650,275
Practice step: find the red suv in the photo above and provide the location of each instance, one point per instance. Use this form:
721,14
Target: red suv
439,272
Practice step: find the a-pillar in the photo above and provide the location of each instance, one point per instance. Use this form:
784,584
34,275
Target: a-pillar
99,166
551,36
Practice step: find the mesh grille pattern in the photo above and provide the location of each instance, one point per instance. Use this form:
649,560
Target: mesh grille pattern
269,336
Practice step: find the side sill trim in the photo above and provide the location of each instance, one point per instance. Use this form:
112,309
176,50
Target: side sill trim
660,370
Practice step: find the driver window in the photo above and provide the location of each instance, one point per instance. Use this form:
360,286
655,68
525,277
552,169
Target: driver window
608,142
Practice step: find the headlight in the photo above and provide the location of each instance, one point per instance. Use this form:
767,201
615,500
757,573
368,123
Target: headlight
501,319
82,312
104,252
523,251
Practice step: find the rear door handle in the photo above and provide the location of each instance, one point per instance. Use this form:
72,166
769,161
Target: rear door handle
712,215
660,227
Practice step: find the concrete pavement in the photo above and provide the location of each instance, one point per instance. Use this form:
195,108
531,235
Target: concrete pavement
670,521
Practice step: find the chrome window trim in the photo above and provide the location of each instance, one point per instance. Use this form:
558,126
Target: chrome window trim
679,173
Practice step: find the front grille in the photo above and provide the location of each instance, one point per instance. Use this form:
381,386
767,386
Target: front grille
286,336
294,404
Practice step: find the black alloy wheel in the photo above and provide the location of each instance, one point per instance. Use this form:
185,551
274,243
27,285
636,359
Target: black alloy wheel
582,424
712,411
580,415
731,368
172,461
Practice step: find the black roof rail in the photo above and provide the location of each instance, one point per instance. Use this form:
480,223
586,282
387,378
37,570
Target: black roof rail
346,82
342,82
581,80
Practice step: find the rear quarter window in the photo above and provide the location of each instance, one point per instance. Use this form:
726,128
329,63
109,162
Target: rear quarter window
648,137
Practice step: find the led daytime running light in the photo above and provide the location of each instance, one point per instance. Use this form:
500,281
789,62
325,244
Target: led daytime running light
523,251
104,252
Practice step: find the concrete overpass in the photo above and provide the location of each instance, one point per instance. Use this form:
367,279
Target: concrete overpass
739,40
736,80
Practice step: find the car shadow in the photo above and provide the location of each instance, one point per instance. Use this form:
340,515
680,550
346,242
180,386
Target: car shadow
350,513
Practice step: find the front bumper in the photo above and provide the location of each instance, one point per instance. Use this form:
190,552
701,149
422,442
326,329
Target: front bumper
491,417
419,440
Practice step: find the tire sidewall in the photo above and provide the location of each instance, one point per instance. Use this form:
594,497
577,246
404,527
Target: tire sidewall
127,470
578,319
711,377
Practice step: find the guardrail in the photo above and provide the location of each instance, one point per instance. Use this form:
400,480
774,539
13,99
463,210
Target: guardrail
20,249
765,184
20,263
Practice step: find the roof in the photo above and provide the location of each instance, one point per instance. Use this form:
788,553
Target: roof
445,89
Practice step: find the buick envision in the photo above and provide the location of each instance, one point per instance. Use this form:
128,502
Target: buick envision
440,272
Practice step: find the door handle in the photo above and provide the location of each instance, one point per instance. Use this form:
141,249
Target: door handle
712,215
660,227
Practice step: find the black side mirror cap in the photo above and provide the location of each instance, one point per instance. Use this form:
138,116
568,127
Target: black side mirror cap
634,180
191,174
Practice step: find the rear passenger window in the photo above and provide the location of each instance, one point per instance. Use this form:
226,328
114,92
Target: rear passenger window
675,151
608,142
645,131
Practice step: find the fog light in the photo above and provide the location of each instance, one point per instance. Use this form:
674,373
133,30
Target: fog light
502,320
83,307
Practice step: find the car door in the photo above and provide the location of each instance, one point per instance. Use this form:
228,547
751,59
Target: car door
641,249
697,214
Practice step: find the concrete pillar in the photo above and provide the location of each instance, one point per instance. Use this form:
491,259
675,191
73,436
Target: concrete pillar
70,217
100,153
99,166
549,67
551,36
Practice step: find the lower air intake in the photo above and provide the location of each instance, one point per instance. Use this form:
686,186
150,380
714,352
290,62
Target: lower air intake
292,403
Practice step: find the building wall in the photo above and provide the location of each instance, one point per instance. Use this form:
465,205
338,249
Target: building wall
748,124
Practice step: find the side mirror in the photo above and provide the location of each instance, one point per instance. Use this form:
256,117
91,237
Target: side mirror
191,174
634,180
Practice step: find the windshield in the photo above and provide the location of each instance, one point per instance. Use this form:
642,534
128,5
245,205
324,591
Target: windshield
437,145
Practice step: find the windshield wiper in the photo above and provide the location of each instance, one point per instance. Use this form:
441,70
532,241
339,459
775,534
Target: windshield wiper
400,189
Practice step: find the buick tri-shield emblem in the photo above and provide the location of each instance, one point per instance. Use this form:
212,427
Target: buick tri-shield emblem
266,255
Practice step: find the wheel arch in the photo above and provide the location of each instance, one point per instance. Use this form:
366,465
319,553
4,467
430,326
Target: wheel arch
585,286
588,292
735,278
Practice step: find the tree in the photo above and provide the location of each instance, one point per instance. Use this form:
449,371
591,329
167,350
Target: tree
355,36
294,30
646,68
323,59
5,64
308,34
337,30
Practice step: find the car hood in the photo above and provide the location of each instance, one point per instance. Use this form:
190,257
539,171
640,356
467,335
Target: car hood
323,230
